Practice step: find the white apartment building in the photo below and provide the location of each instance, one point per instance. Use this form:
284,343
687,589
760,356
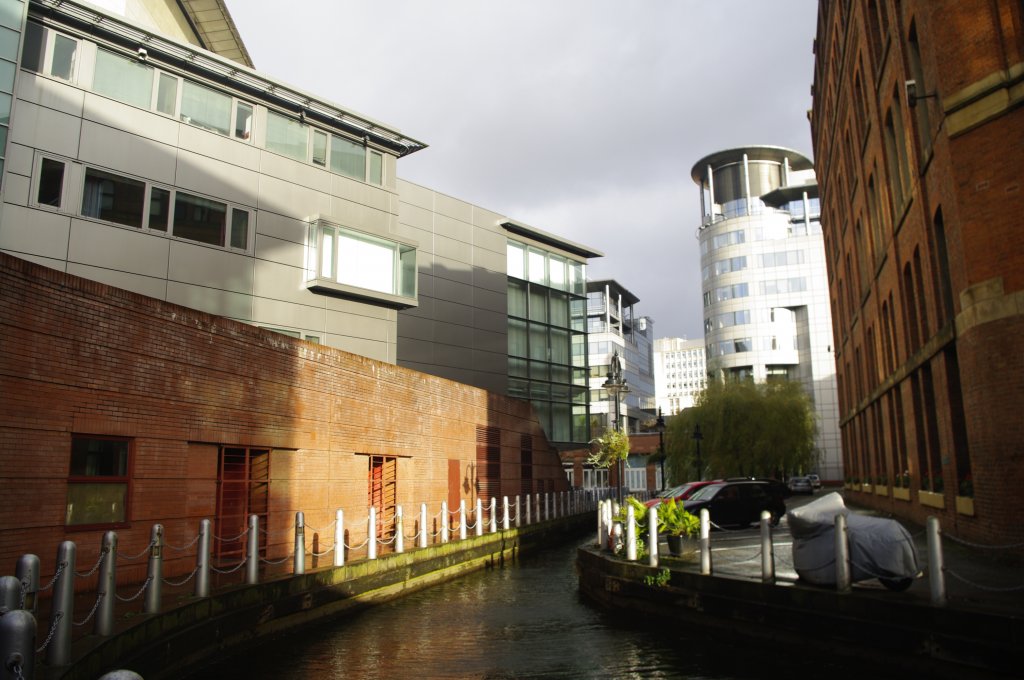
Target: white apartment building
680,373
765,285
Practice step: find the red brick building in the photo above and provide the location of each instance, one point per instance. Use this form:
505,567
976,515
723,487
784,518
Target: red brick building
121,411
919,142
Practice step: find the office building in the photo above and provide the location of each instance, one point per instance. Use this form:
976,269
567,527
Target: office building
766,307
680,373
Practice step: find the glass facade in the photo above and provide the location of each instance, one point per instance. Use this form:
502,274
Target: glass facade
547,339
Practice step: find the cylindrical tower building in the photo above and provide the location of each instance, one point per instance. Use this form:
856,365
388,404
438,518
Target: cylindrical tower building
764,281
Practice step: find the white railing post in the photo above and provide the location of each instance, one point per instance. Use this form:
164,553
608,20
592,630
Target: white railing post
519,517
299,558
423,525
444,521
371,534
842,550
494,515
252,551
936,563
399,530
462,520
504,513
339,538
705,542
652,537
767,549
479,517
528,506
203,560
600,524
630,534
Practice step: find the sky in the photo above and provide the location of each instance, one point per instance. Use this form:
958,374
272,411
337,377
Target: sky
582,118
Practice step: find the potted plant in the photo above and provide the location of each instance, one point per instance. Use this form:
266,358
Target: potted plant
680,527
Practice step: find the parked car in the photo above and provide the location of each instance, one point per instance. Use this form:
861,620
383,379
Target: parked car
879,547
680,493
738,503
800,485
815,481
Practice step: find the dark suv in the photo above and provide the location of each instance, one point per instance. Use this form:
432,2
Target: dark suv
738,503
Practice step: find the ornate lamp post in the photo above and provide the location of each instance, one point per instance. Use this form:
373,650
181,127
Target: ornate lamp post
616,385
697,436
659,425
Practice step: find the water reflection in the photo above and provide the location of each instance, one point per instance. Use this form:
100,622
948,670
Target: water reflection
523,621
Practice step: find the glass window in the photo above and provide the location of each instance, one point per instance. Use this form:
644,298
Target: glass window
125,80
286,136
199,219
319,148
113,198
515,259
32,49
537,268
327,253
159,208
366,262
167,94
205,108
239,228
407,279
98,481
556,272
348,158
64,49
51,182
243,120
376,168
517,299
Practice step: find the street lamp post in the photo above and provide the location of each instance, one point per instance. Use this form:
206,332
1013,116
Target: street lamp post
616,385
697,436
659,425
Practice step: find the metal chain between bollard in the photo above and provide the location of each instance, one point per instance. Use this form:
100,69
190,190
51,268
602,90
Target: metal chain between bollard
95,606
232,539
357,547
381,541
53,629
181,583
135,557
184,547
136,595
320,531
232,570
274,563
990,589
56,576
16,669
86,574
322,554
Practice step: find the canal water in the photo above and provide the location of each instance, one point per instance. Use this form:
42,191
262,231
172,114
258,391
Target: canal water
523,620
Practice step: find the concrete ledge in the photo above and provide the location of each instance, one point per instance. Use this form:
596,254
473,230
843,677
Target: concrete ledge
918,640
166,644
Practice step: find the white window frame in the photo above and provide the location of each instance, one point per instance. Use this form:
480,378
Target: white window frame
70,195
49,40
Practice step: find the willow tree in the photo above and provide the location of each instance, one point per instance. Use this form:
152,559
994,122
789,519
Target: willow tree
760,430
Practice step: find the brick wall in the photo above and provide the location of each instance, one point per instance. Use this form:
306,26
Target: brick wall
80,357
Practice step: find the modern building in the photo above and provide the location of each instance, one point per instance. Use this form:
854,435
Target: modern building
766,306
917,127
680,373
615,332
173,214
139,159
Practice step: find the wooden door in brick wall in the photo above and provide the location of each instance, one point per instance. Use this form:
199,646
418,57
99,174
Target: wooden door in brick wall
383,493
488,463
454,488
243,489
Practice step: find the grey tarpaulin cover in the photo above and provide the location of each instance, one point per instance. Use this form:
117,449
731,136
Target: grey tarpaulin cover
879,547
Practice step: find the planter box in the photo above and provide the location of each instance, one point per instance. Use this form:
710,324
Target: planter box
881,490
931,499
965,505
683,547
900,493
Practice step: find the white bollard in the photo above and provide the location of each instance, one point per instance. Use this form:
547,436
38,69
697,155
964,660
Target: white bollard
767,549
423,525
519,508
504,513
600,525
252,551
652,537
705,542
536,503
547,506
528,505
299,556
399,530
936,562
339,538
444,521
842,550
494,515
630,534
462,520
479,517
371,534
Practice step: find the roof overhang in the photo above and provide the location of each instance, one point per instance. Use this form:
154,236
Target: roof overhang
215,29
550,239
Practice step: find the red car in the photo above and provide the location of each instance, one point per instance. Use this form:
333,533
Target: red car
681,492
